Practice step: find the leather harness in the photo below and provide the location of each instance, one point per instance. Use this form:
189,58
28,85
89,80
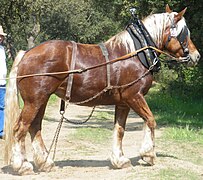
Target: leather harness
72,67
106,55
141,38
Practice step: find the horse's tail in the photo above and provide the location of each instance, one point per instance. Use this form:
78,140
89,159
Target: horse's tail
12,108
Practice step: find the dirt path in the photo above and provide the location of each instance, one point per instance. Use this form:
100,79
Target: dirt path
76,159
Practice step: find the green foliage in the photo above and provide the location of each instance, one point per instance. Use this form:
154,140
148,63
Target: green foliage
53,99
181,80
9,64
175,109
192,78
189,84
82,21
77,20
184,134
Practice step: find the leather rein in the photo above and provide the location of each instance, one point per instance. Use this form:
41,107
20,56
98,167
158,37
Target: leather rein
182,39
81,70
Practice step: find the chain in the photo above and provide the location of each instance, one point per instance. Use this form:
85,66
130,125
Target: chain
117,87
54,141
78,122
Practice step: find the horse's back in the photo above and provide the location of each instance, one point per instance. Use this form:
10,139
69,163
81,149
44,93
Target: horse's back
47,57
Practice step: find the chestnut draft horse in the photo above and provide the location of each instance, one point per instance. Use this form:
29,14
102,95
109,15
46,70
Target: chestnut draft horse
56,56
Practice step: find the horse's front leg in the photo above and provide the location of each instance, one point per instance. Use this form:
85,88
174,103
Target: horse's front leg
117,157
139,105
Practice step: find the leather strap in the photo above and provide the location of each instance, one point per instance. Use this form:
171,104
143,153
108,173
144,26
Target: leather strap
106,55
72,67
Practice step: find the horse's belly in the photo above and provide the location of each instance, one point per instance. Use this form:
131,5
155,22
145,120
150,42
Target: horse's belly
103,97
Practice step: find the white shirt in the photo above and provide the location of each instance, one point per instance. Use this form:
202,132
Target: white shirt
3,68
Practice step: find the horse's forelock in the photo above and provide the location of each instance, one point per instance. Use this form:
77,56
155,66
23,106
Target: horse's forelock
180,24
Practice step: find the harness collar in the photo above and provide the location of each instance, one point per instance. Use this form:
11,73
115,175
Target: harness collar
142,38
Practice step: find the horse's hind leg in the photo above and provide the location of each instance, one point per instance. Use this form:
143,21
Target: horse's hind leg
30,119
139,105
21,126
117,157
41,159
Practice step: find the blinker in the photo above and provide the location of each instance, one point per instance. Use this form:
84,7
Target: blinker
182,38
183,35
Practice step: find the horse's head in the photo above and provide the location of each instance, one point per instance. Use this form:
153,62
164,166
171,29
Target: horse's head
177,39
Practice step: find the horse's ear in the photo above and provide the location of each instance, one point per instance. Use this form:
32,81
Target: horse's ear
180,15
168,9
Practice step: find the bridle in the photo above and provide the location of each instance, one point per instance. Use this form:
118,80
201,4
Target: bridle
182,39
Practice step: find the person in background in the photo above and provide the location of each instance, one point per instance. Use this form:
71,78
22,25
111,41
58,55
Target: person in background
3,72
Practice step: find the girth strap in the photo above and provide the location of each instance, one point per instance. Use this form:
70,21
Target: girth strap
72,67
106,55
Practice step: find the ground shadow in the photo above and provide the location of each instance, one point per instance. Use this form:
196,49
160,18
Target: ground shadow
91,163
85,163
74,163
9,170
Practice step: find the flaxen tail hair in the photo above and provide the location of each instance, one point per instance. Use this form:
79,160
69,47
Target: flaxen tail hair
12,108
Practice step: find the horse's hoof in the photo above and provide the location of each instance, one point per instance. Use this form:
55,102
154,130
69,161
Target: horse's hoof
44,164
148,157
125,163
148,160
47,166
120,163
26,169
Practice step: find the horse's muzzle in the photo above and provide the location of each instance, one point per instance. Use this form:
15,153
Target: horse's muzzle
194,59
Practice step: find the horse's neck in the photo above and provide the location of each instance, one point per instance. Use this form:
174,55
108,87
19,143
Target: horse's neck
122,42
156,25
